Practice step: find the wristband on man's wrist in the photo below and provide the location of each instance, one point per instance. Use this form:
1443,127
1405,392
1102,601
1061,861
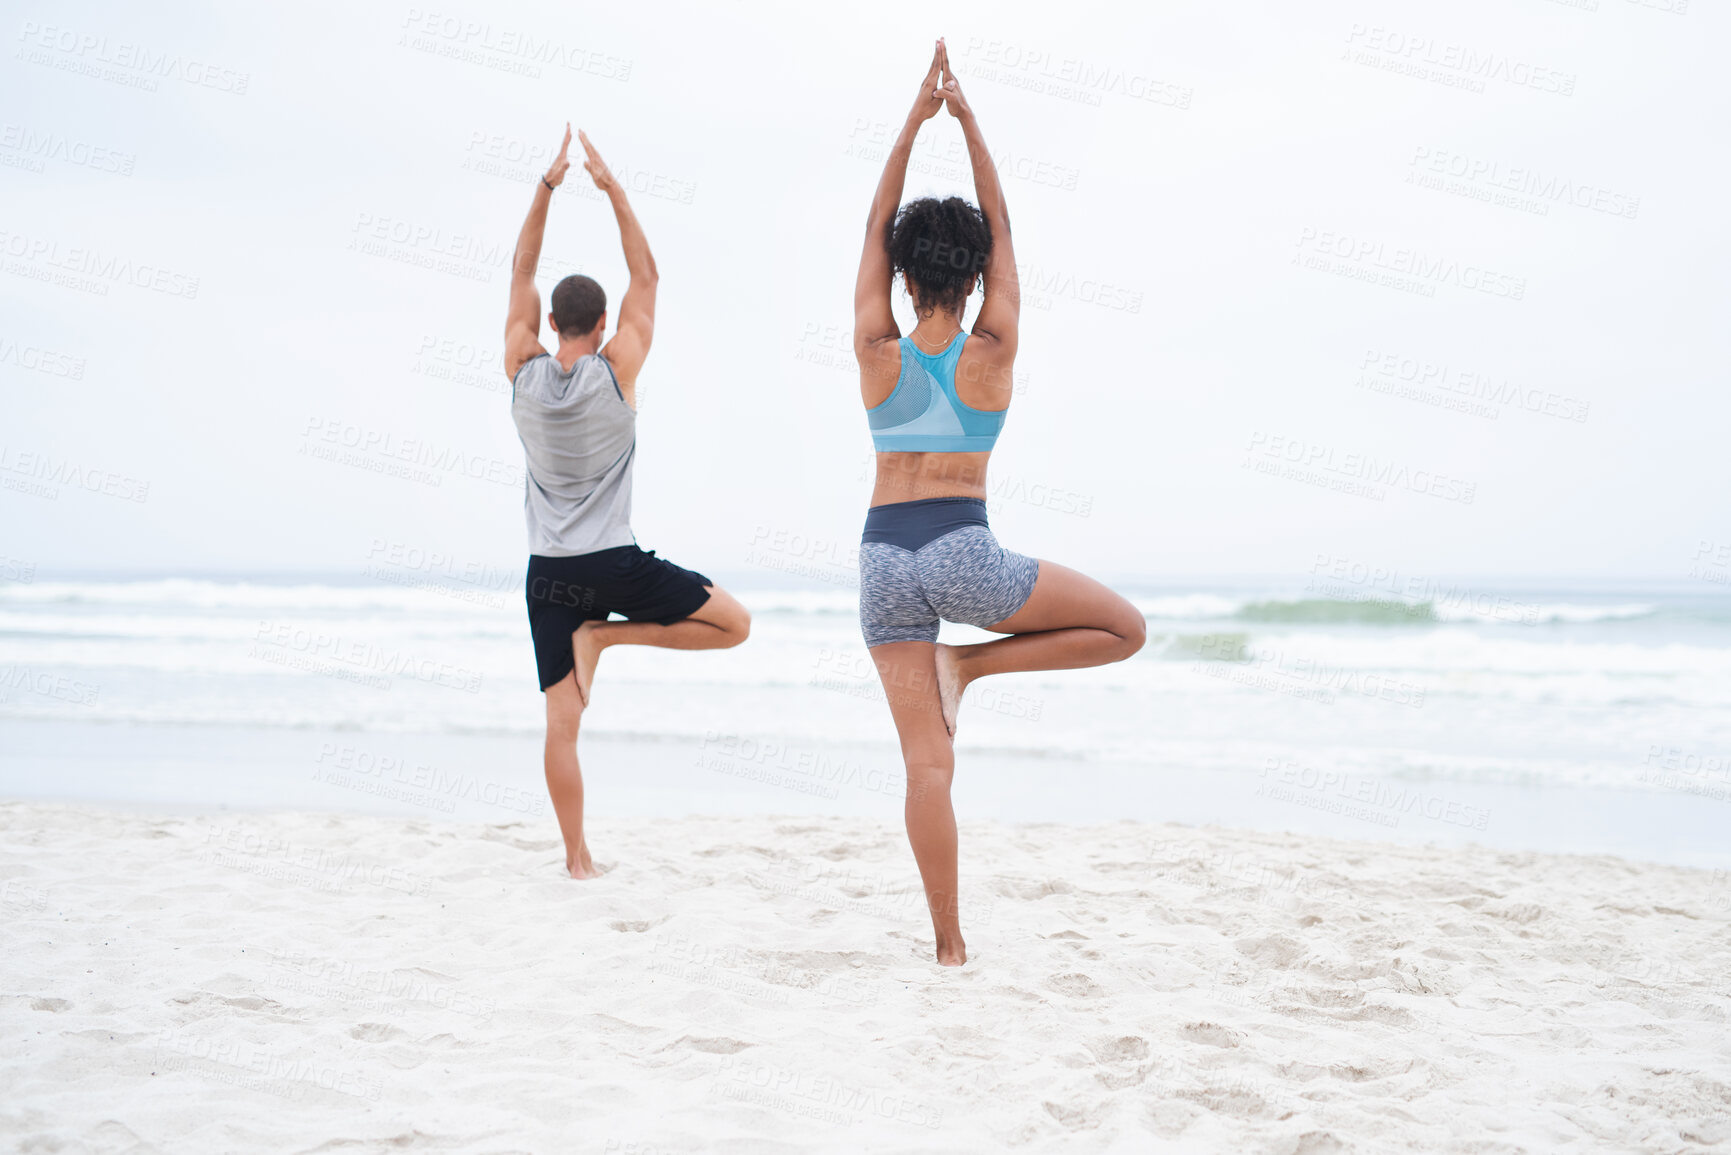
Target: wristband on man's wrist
548,183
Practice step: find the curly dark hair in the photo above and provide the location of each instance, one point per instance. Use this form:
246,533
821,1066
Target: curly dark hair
940,249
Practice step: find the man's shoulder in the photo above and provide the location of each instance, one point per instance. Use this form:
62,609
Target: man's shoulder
603,365
545,380
525,370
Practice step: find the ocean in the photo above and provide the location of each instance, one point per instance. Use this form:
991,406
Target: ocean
1366,704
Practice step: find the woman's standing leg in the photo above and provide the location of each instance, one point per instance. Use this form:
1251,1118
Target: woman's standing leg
909,677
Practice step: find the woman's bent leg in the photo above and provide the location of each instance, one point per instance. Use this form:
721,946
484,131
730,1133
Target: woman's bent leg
1070,621
910,683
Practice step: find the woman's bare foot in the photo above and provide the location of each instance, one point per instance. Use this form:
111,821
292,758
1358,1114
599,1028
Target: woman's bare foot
580,865
949,685
952,953
586,649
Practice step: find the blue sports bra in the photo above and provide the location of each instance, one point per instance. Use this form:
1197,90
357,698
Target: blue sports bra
922,414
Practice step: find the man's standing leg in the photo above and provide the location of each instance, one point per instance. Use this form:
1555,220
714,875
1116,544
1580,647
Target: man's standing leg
564,778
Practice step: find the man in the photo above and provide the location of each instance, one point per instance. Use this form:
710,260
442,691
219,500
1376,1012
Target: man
575,411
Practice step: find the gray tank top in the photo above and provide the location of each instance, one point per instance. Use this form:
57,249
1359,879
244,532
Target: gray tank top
579,440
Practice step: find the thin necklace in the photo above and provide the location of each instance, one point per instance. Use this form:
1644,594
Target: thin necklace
916,336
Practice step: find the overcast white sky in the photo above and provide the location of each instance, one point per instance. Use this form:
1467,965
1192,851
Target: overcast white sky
1174,171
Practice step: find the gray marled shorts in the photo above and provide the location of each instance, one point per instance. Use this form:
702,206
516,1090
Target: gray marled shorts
963,576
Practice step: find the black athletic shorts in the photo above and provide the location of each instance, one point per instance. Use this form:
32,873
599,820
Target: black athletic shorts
565,592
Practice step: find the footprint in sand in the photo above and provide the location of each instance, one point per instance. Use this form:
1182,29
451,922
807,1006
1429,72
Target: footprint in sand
1209,1034
1076,985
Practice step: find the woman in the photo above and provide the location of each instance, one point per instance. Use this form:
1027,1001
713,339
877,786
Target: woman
935,401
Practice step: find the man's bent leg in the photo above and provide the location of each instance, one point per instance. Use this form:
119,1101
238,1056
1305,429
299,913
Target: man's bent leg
718,624
564,778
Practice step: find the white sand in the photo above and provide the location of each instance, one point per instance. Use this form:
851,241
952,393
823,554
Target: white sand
306,982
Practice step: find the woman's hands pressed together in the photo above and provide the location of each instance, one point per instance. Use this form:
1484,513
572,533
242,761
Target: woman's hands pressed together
931,97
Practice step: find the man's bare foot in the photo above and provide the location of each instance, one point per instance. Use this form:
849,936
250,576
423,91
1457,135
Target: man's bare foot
586,649
580,865
952,953
949,686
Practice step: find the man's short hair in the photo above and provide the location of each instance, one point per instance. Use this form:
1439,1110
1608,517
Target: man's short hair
578,303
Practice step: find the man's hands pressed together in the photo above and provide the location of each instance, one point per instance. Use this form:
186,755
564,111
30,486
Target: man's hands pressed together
561,163
593,164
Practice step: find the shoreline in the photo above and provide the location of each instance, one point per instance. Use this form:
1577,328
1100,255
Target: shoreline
178,769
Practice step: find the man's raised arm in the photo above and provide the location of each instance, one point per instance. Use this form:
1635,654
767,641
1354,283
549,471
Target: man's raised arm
636,328
523,316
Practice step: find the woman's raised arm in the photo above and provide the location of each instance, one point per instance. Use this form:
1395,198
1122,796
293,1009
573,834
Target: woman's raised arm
873,321
1001,309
